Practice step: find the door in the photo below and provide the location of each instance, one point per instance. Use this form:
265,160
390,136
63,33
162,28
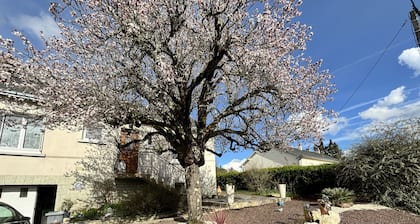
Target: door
45,202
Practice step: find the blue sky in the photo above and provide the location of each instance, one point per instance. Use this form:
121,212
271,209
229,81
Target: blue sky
350,37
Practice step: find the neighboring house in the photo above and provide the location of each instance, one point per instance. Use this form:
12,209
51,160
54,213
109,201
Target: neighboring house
286,157
34,160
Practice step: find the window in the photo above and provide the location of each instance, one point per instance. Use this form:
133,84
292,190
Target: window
23,192
6,213
23,133
92,135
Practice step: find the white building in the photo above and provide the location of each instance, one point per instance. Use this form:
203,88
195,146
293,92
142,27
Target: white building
286,157
34,160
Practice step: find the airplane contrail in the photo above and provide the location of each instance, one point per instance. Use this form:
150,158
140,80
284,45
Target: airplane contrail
365,58
408,91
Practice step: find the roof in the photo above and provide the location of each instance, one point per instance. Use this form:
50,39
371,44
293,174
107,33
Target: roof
276,155
311,155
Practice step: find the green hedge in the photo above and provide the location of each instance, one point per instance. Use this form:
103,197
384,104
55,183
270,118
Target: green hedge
232,177
303,181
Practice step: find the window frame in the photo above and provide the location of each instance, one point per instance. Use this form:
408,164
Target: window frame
23,192
85,131
20,149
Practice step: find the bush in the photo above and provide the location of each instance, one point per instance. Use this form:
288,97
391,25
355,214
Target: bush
303,181
385,166
91,213
232,177
258,180
66,205
150,198
219,217
338,195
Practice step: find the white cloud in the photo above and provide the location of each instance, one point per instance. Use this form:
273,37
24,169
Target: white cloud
380,113
410,109
357,133
411,58
395,97
336,125
351,136
235,164
36,24
395,106
383,110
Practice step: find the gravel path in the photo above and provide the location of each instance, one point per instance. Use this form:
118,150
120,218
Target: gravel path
293,213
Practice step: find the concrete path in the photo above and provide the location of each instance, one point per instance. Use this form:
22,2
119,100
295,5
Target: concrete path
367,206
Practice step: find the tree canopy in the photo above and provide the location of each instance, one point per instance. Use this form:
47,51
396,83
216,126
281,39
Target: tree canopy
192,70
331,149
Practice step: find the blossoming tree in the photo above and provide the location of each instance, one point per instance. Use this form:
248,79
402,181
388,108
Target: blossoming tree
193,70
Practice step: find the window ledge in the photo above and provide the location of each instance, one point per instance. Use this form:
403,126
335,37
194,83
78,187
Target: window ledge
92,142
21,153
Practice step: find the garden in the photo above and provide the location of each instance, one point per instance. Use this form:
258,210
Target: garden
382,170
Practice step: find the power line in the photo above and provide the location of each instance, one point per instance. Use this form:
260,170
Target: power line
374,66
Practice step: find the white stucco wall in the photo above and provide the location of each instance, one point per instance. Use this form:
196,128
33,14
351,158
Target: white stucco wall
65,189
25,205
208,175
312,162
61,150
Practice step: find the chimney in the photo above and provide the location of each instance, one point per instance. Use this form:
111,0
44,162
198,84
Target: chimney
300,146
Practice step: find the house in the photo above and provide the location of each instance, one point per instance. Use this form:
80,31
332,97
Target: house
142,160
287,157
35,161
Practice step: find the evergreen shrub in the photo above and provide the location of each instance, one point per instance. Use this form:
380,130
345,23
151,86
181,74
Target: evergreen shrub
338,195
385,166
232,177
305,181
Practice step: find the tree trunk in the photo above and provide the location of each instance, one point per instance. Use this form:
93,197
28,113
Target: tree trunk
194,199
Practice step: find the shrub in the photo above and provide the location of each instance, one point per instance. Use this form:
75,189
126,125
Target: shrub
219,217
103,190
66,205
232,177
258,180
385,166
150,198
303,181
338,195
91,213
